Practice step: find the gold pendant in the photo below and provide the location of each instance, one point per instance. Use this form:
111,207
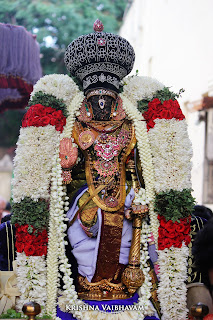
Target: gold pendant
86,139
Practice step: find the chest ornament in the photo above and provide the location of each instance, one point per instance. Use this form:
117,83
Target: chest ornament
86,139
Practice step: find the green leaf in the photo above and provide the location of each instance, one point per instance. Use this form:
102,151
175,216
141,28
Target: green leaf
143,105
48,100
163,95
63,21
174,204
33,213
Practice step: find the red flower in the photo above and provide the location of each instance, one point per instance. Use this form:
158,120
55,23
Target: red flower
44,121
180,227
24,228
29,249
167,110
173,233
39,115
41,250
169,226
34,244
19,246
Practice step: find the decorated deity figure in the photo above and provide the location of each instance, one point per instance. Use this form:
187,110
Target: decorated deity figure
106,163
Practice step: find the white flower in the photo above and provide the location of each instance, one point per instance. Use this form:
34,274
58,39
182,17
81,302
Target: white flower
138,88
161,163
172,289
141,197
33,162
145,157
31,279
172,152
59,85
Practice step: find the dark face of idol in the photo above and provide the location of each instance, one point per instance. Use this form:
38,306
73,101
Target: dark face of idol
101,106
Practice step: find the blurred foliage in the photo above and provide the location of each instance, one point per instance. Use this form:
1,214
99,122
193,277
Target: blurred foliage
10,123
57,23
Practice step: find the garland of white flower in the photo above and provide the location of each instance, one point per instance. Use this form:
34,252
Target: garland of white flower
145,158
31,279
73,110
136,88
145,289
59,85
54,235
56,206
171,157
172,164
69,296
172,289
33,148
57,227
70,293
56,245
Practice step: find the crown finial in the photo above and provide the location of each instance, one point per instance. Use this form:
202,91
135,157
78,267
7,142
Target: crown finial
98,26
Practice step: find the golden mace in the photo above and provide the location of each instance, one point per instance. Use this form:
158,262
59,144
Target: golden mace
133,276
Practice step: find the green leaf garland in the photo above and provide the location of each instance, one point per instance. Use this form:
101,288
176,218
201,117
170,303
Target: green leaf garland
33,213
163,95
143,105
48,100
174,204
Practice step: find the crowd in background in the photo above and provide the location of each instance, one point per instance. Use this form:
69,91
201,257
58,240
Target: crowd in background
5,209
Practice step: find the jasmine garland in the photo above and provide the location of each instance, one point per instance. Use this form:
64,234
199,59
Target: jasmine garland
34,146
135,89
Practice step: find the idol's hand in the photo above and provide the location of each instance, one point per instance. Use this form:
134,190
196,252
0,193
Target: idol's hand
67,153
140,208
128,214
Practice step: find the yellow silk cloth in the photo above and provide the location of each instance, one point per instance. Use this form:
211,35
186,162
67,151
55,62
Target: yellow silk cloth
8,289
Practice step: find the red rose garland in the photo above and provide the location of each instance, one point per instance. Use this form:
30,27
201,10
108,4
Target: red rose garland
157,110
40,116
34,244
173,233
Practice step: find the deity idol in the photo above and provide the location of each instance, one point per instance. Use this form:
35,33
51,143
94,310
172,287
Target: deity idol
115,155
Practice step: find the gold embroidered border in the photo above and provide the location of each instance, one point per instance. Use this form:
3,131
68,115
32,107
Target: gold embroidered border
113,220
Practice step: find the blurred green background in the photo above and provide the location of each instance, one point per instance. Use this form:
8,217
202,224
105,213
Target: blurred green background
56,24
